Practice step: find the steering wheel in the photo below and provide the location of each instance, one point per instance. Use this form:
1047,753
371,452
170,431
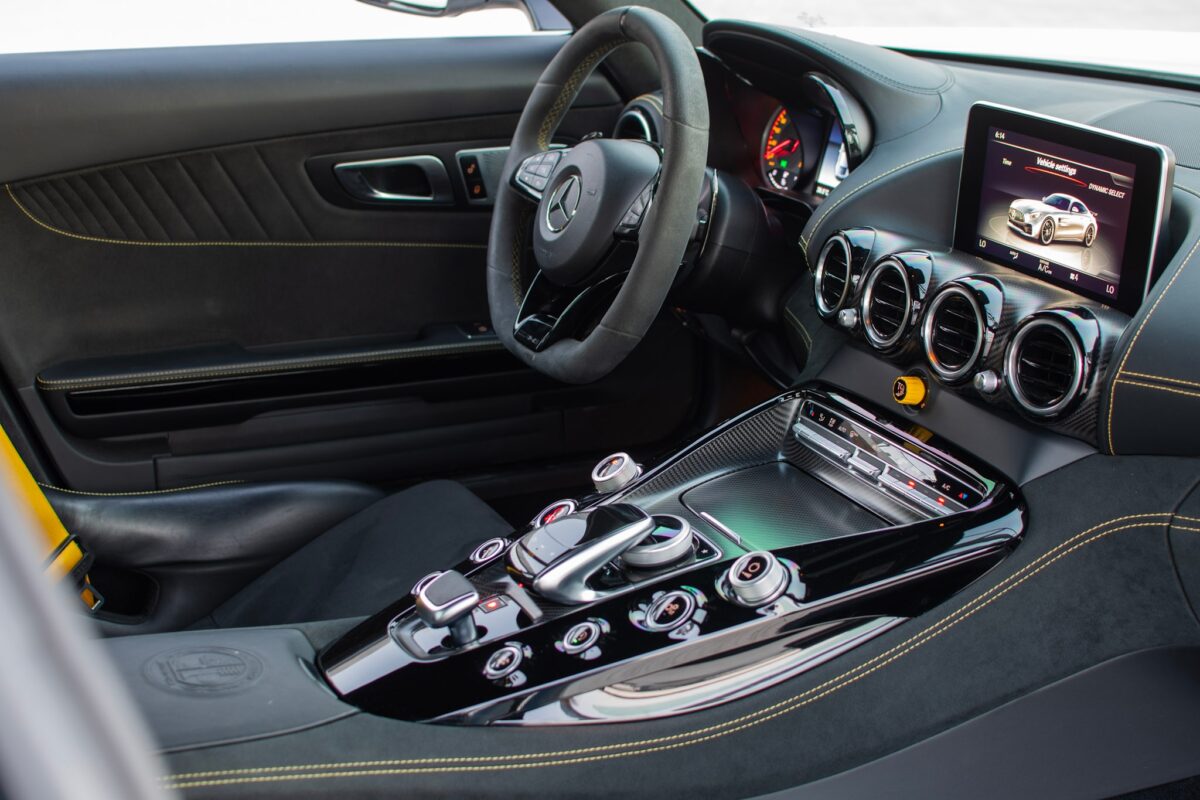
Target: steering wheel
584,200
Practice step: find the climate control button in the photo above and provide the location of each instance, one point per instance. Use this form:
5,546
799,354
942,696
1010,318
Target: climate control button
757,578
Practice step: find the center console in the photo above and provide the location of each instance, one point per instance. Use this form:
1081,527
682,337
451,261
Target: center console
780,540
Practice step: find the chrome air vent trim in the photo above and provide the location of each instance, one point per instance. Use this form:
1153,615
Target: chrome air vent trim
832,280
886,303
1044,366
953,332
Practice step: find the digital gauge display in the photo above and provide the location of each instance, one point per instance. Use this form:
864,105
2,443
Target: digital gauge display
783,153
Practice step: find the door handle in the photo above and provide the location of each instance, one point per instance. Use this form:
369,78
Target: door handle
421,180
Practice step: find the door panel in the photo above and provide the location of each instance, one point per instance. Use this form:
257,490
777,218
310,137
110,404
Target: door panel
228,311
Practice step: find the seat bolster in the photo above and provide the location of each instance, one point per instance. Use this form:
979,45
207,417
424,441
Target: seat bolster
232,523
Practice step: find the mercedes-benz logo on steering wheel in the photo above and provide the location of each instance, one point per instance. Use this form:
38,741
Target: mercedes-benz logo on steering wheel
564,202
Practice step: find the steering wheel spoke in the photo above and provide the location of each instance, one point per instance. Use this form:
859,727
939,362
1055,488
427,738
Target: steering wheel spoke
631,223
550,313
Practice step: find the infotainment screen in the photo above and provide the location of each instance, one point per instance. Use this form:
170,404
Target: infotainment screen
1071,205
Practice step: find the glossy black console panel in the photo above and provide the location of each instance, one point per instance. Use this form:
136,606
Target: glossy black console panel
855,556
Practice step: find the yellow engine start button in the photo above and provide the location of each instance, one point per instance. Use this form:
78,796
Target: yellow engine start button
909,390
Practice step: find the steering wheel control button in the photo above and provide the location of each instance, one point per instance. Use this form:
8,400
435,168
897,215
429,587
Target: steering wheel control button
581,639
909,390
757,578
489,550
505,663
669,542
669,611
615,473
556,510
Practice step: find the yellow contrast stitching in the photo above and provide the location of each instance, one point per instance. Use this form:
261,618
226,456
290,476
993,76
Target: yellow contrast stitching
1170,389
558,758
1112,395
567,94
788,707
1161,378
152,377
827,210
799,326
134,243
135,494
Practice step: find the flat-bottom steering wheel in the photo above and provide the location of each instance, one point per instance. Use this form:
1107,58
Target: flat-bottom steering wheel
591,195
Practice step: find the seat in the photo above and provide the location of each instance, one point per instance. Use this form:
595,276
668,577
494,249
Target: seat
263,554
369,560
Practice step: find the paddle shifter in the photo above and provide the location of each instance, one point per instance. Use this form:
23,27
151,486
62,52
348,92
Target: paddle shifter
561,557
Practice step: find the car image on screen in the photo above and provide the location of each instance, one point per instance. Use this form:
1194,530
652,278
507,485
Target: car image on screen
1054,218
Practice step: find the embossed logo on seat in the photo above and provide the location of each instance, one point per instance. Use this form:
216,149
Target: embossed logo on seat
203,670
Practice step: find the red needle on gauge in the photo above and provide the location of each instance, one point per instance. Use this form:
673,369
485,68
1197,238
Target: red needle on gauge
787,145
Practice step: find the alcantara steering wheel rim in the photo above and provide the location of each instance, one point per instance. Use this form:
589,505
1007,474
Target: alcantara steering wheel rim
667,223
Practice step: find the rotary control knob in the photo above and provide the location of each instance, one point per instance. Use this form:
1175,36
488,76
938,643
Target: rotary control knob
615,473
757,578
670,541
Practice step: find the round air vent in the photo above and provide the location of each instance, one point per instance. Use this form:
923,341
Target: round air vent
886,304
634,123
953,332
833,275
1044,367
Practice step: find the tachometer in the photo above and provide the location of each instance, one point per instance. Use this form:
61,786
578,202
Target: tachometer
782,152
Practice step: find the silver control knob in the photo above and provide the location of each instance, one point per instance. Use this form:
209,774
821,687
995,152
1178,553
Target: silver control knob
848,317
986,382
757,578
447,600
670,541
615,473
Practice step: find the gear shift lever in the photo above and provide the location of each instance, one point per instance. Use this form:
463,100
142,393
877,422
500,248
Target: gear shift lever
561,556
447,601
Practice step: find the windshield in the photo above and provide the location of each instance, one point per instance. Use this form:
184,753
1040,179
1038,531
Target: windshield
1153,35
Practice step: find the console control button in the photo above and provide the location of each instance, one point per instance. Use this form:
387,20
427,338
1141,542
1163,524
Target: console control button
615,473
504,662
757,578
670,541
669,611
489,550
866,465
581,637
557,509
909,390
